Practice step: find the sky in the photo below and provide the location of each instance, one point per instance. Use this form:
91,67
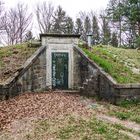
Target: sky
72,7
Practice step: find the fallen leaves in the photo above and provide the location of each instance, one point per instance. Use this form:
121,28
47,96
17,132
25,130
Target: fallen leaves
41,105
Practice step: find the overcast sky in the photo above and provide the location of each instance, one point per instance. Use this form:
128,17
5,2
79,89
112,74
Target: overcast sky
72,7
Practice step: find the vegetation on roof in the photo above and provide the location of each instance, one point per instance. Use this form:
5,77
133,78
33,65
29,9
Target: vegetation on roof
12,58
122,64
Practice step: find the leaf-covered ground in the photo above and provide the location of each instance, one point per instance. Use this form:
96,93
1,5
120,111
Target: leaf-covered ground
56,115
12,58
49,105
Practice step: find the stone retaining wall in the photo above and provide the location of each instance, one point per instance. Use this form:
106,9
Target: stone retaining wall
96,82
86,74
32,76
77,78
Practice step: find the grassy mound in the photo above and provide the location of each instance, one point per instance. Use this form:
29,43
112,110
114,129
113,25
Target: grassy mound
122,64
12,58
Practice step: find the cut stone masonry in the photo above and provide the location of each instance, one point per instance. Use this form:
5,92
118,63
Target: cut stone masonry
83,74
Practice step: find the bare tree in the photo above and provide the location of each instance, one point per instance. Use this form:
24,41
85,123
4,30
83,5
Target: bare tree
44,14
1,22
24,20
16,23
1,14
10,27
83,15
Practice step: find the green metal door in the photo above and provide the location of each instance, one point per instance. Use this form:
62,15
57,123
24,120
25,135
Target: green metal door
59,70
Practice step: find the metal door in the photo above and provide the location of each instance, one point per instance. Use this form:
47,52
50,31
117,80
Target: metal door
59,70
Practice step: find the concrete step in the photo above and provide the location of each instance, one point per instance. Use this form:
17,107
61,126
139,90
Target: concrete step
66,91
85,84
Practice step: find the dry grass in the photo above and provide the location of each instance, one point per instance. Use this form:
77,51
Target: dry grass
12,58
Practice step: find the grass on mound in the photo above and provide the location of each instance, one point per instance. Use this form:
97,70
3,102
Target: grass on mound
12,58
114,61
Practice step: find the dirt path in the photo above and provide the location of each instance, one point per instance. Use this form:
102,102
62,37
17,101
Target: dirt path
113,120
127,124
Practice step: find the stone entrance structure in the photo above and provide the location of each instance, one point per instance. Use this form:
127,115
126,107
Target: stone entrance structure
59,60
55,65
60,64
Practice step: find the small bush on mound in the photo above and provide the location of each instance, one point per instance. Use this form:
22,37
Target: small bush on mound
34,43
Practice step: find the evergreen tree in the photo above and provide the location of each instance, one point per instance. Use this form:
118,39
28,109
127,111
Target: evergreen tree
131,11
114,13
127,14
59,21
114,40
78,26
106,33
87,27
95,30
69,26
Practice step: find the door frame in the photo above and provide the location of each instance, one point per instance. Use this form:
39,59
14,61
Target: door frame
49,51
67,54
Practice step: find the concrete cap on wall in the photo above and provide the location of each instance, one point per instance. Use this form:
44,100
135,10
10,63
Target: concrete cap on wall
60,35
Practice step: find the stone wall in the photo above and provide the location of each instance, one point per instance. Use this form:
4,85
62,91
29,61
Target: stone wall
32,76
77,78
96,82
87,75
35,78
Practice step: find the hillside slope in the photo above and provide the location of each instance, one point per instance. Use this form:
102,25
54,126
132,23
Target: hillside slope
12,58
122,64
